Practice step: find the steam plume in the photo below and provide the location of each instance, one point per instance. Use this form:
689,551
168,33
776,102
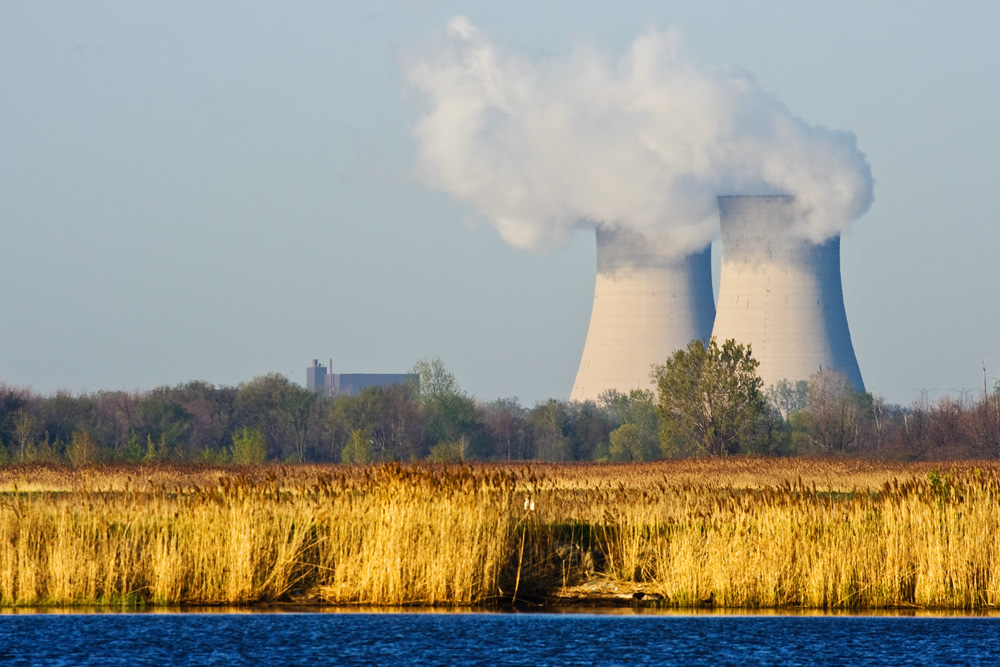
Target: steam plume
541,146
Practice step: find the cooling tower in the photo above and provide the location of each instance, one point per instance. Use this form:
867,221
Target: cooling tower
781,293
647,304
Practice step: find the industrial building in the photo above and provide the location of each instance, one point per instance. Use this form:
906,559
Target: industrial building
778,291
320,379
782,293
647,304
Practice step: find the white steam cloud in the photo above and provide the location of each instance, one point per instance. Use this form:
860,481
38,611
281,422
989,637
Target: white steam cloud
543,146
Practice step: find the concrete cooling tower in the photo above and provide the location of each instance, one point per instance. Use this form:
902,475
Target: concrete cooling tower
647,304
782,294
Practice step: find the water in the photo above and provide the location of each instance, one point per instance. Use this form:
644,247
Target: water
493,639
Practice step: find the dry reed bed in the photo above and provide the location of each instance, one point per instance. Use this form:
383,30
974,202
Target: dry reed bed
735,533
740,472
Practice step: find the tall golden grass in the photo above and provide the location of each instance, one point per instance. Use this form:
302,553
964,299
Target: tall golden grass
749,533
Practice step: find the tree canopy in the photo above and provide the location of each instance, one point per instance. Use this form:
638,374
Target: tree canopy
707,401
710,398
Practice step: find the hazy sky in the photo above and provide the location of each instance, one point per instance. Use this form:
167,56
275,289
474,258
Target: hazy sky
214,191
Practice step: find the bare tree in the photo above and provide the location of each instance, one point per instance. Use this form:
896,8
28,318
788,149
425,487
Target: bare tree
504,422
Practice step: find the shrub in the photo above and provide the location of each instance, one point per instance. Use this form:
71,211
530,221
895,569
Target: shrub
358,448
249,447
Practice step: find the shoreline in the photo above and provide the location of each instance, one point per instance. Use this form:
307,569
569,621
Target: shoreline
542,609
598,596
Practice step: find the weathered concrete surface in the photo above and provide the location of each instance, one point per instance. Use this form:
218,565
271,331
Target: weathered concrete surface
782,293
647,305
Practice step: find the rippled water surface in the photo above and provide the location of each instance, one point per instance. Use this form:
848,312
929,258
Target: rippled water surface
493,639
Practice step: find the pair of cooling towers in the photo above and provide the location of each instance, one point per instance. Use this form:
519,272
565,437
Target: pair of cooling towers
777,291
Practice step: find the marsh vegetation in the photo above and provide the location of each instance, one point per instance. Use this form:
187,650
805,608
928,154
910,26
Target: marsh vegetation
733,532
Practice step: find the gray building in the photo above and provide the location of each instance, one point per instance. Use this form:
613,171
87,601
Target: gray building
322,380
782,293
648,303
316,376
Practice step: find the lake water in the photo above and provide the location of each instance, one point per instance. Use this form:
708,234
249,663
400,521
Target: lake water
494,639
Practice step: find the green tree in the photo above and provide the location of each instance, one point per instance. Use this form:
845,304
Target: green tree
626,443
449,413
710,399
13,399
449,452
281,410
297,408
115,415
156,450
164,422
434,379
64,414
133,452
773,436
25,431
788,397
82,449
637,409
548,423
389,416
358,448
249,447
586,428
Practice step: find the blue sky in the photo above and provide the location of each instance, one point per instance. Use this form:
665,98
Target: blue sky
218,191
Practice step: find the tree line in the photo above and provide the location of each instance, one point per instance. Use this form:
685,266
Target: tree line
706,400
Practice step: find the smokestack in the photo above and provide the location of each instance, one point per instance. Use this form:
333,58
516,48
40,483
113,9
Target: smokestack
647,305
782,293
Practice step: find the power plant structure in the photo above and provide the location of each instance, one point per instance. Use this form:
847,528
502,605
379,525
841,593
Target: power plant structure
779,292
327,383
647,304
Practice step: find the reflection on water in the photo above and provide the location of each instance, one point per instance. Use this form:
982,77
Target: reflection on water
338,636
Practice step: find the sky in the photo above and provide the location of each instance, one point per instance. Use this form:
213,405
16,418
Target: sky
217,191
